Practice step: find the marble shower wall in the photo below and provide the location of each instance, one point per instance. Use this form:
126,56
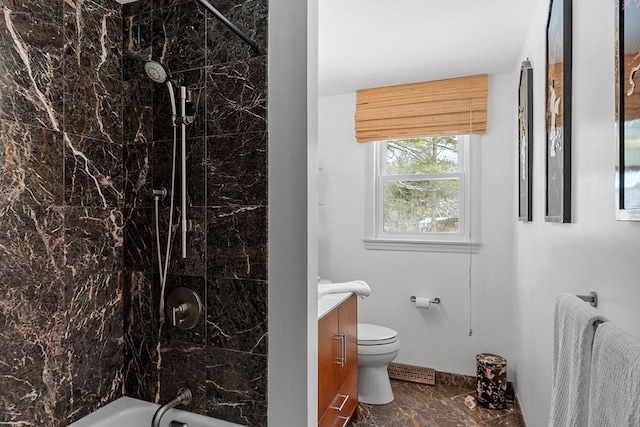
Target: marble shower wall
224,358
61,209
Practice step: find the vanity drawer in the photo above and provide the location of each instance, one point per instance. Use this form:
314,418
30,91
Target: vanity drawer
343,405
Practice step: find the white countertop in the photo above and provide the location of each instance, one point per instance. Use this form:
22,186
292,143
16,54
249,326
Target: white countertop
329,301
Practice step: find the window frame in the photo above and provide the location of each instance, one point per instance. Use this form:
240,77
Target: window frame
465,241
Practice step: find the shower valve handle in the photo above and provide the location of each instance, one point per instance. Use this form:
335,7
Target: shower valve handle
183,308
179,313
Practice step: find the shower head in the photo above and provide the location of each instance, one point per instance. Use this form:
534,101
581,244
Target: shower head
158,74
155,71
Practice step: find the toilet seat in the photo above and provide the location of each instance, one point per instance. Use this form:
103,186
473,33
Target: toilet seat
378,349
370,335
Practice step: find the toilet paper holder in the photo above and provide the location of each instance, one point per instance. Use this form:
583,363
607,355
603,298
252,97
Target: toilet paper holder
436,300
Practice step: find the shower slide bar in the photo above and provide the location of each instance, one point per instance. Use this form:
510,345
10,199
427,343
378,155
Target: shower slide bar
253,45
183,165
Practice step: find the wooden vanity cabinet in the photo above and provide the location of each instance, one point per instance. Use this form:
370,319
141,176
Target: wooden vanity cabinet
338,365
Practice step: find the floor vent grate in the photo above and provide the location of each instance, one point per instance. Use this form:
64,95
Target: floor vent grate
414,374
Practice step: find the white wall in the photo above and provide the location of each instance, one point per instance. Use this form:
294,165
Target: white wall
595,252
292,356
439,337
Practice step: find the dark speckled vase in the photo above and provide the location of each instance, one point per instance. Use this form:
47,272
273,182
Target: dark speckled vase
491,385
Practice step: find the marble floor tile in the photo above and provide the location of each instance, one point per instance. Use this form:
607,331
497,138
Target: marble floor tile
512,420
461,401
418,405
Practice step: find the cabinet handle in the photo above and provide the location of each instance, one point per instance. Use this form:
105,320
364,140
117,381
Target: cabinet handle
340,357
344,402
346,420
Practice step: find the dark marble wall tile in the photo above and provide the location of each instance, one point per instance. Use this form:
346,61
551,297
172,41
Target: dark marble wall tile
179,36
162,164
171,333
33,372
37,23
32,316
138,239
137,37
194,263
237,387
93,238
93,37
31,64
138,185
32,245
61,300
136,8
237,97
237,243
194,81
237,315
159,4
140,337
250,16
30,165
33,98
107,4
236,170
93,172
182,366
93,342
92,105
136,111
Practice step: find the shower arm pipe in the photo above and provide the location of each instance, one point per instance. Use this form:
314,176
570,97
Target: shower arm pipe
253,45
183,168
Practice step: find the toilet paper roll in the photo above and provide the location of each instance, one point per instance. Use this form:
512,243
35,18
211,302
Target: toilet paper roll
423,302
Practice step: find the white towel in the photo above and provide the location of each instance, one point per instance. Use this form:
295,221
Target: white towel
614,397
573,332
358,287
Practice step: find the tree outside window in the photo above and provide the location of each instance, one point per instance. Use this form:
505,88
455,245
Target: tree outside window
420,185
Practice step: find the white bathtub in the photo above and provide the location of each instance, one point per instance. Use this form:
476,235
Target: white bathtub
129,412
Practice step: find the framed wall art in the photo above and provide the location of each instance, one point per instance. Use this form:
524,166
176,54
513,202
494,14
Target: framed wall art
558,113
627,61
525,141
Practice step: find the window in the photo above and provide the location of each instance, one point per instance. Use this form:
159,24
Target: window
421,195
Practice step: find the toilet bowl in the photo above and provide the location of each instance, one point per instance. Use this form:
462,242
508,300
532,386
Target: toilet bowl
377,347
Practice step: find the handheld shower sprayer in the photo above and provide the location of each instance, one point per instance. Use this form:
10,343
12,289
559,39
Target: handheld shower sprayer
155,71
159,74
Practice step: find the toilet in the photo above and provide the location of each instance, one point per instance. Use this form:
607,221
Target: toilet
377,347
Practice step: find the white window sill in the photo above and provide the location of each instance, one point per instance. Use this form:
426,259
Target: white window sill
421,245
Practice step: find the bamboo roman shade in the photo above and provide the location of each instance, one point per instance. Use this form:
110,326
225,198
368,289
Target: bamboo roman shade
443,107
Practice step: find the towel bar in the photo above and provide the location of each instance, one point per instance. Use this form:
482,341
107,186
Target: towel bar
592,298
